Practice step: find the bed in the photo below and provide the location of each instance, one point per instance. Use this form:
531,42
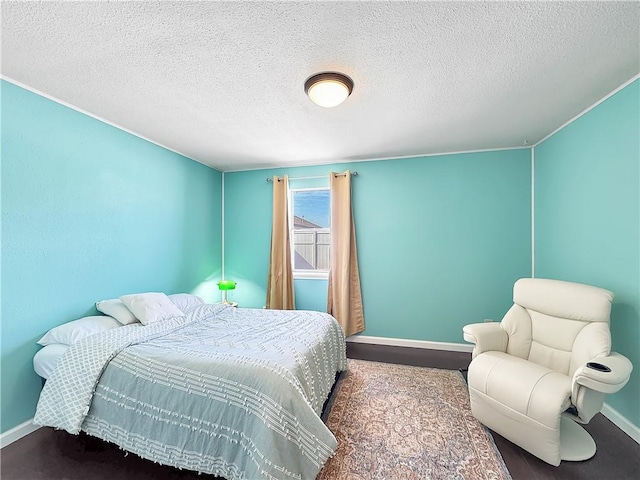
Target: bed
227,391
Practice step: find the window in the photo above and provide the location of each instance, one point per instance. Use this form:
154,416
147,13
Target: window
309,220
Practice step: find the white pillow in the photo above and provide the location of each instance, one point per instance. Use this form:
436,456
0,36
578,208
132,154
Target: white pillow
185,301
72,332
151,307
116,309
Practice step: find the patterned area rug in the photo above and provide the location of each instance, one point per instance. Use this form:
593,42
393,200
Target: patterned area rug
403,422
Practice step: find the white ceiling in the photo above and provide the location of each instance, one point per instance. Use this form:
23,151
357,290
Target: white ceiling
222,82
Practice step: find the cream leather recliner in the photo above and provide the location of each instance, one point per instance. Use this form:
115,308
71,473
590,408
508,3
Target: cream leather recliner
546,366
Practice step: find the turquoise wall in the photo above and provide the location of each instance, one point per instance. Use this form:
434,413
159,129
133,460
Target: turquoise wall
90,212
587,218
450,233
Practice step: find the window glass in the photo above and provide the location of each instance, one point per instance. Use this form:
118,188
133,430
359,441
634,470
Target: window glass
310,230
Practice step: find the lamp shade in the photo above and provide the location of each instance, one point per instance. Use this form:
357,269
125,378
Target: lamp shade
227,285
328,89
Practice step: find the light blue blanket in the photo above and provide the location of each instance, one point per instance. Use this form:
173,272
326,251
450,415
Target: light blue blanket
232,392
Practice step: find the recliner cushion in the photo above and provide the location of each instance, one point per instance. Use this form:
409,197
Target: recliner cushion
517,324
573,301
528,388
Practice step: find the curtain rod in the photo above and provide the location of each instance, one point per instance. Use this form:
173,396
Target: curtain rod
353,174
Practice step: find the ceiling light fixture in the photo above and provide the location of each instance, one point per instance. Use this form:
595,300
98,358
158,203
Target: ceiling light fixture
328,89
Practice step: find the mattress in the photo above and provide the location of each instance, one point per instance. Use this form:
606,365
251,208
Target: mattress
46,359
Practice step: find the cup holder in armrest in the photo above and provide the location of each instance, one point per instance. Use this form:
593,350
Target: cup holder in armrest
598,366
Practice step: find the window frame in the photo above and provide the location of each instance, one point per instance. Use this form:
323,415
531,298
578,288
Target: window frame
304,274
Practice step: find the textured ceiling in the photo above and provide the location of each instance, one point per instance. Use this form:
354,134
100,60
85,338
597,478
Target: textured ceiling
222,82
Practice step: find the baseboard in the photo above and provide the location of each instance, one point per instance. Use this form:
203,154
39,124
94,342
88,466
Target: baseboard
402,342
621,422
16,433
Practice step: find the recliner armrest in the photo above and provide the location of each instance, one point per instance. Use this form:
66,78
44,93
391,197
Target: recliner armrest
605,382
486,336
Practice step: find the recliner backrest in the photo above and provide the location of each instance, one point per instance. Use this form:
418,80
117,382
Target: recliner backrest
560,325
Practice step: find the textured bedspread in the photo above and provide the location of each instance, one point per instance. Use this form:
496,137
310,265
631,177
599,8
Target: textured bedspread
227,391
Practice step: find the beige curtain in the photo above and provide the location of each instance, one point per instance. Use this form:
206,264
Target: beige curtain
280,281
344,300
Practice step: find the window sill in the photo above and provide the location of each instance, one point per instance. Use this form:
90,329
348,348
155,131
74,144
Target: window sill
310,275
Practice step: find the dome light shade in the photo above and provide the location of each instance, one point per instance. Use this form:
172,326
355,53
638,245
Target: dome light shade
328,89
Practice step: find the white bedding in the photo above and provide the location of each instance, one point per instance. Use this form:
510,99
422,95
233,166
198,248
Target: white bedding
46,359
231,392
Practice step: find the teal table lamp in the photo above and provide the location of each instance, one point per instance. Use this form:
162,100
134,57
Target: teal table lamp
226,285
